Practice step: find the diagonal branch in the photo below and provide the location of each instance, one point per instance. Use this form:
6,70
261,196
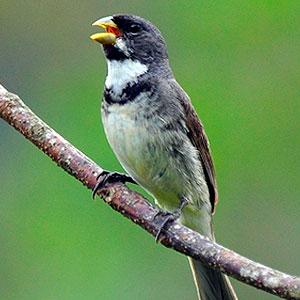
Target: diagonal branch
135,207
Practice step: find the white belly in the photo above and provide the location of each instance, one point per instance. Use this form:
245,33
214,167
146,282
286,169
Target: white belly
141,153
144,155
125,137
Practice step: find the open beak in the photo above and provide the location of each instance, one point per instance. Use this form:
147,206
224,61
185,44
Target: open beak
111,34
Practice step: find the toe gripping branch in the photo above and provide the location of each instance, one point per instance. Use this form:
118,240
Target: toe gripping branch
169,217
162,217
110,177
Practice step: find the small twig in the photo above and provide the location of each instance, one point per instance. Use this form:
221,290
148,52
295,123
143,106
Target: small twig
138,209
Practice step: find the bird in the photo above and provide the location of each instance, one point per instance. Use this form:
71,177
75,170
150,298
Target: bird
157,136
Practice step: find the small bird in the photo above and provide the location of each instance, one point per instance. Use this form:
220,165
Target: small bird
157,135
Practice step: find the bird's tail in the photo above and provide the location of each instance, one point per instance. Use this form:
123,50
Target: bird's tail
211,285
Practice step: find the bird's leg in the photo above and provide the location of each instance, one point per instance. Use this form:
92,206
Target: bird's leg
170,216
110,177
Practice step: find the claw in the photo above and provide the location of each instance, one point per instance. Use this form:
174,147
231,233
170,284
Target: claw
100,183
110,177
170,217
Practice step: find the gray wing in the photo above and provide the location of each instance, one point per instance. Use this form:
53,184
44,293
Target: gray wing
200,141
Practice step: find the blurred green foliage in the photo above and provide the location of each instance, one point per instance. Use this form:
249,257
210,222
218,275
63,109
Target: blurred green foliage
240,63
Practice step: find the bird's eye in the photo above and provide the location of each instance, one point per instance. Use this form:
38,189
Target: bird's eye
134,28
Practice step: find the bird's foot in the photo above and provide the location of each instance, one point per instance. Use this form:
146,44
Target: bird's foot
169,217
110,177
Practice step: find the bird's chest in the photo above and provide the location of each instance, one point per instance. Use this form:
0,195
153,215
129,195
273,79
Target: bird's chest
143,150
129,137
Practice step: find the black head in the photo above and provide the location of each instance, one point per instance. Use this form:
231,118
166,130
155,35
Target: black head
131,37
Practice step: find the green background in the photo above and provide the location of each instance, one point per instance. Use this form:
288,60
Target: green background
240,63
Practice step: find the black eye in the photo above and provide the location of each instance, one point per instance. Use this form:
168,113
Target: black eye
134,28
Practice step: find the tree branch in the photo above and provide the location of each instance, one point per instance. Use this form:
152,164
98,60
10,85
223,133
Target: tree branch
135,207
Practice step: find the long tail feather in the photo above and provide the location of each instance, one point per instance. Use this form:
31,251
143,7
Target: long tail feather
211,285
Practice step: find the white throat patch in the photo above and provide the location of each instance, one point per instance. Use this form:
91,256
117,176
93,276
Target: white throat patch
120,73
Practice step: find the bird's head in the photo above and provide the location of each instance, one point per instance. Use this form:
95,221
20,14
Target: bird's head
131,37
